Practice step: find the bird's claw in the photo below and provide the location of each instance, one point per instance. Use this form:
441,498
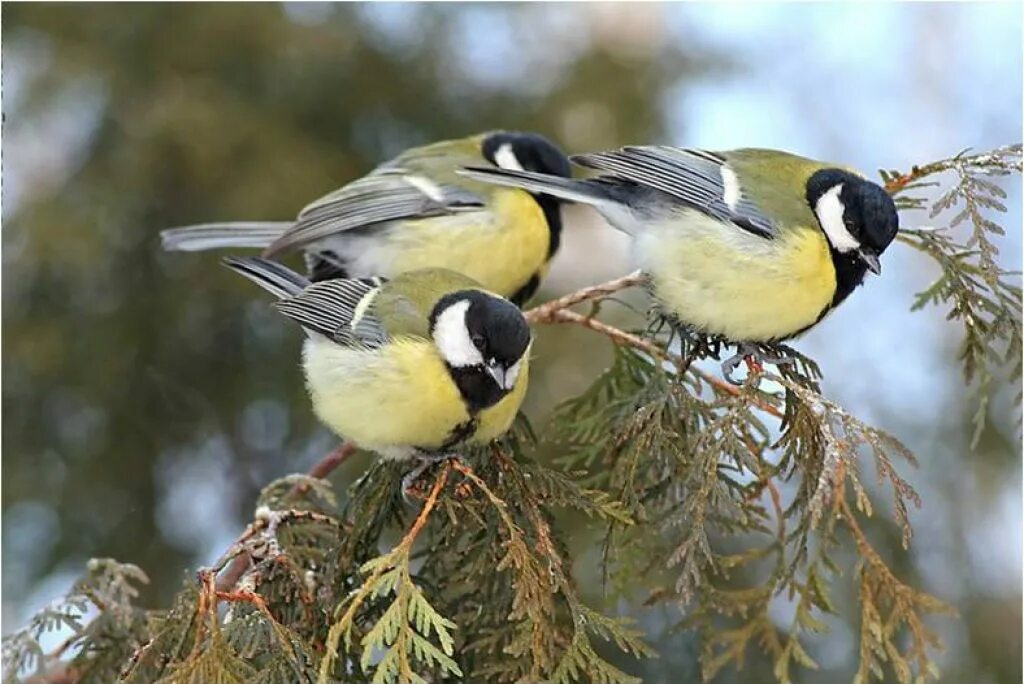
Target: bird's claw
411,488
729,365
754,358
410,483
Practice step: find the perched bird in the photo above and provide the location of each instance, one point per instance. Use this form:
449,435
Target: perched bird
409,367
415,212
753,246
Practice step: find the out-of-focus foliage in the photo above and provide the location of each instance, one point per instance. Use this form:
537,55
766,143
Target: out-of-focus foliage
102,644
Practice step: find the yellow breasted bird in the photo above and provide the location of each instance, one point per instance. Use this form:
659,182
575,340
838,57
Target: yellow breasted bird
750,245
414,366
415,212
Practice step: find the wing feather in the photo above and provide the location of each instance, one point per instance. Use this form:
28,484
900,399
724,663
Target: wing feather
697,178
388,194
340,309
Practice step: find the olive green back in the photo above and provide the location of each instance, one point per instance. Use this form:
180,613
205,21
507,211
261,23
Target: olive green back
404,304
777,181
439,162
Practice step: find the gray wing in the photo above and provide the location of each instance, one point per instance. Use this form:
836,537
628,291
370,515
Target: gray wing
699,179
387,194
340,309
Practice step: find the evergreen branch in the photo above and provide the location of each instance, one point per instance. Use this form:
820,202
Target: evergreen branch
261,605
626,338
982,296
542,576
236,554
1000,158
887,605
545,313
387,573
326,465
112,588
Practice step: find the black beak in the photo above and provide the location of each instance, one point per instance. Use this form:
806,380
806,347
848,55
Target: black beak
872,262
497,372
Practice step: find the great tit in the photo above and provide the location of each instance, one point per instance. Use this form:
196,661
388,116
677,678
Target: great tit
411,367
415,212
754,246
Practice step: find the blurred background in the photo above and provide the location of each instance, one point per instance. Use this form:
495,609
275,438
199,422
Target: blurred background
148,396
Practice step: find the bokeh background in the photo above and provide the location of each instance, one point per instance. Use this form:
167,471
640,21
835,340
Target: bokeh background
148,396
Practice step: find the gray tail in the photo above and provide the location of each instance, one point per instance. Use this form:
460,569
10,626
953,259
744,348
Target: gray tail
204,236
279,280
583,191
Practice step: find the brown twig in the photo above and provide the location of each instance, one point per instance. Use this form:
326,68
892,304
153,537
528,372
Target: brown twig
326,465
547,312
622,337
404,545
997,157
240,561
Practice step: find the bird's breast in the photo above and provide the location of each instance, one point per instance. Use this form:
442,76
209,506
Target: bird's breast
493,422
399,395
725,281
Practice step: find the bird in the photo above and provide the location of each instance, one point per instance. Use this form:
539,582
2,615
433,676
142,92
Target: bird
415,212
411,367
750,246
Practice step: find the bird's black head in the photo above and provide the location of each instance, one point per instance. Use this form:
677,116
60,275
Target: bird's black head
531,152
859,220
525,152
483,339
855,214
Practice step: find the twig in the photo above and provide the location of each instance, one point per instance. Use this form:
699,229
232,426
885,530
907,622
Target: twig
992,158
622,337
403,546
326,465
240,559
546,312
64,675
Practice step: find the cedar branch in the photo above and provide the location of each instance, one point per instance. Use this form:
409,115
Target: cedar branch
556,311
240,560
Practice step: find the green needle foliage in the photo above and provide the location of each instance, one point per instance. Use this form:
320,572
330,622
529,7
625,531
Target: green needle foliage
980,295
732,504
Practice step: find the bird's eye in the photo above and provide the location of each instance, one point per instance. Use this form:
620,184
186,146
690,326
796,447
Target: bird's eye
478,341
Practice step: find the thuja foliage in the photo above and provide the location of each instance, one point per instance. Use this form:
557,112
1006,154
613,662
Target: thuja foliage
980,295
722,500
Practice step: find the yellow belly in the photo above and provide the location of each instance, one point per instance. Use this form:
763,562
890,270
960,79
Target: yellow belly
501,248
724,281
397,397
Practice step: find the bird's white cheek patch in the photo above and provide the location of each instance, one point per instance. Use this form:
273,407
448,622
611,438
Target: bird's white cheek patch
730,187
505,158
452,337
829,209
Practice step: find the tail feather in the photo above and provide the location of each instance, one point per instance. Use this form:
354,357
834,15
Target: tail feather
611,198
204,236
279,280
573,190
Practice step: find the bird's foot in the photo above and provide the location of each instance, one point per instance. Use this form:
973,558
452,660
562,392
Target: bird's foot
412,487
753,364
754,356
415,486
